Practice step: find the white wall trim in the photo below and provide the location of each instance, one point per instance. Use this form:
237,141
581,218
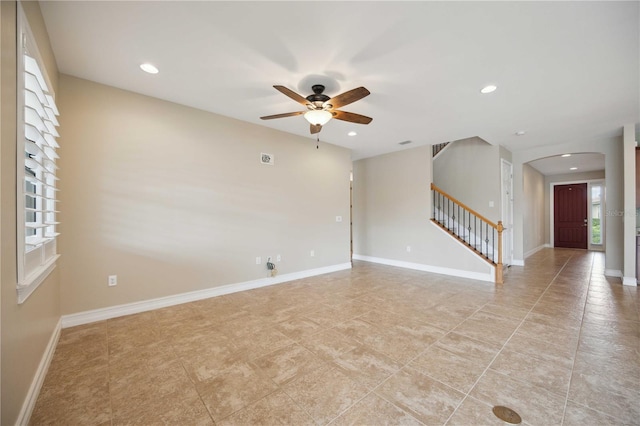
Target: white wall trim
428,268
87,317
535,250
613,273
632,281
36,384
517,262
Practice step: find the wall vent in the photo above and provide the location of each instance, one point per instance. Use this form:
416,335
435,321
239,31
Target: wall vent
404,143
266,158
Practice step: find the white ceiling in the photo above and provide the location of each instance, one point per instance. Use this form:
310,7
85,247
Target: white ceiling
565,71
558,165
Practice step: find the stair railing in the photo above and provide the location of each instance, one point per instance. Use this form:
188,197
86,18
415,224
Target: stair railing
477,232
435,149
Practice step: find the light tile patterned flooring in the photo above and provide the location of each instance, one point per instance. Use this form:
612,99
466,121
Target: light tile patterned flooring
558,343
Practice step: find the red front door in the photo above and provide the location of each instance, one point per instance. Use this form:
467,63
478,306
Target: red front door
570,216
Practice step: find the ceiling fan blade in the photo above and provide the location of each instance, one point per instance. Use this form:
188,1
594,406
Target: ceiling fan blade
348,97
293,95
351,117
286,114
315,128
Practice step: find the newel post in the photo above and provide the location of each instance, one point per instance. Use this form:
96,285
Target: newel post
499,268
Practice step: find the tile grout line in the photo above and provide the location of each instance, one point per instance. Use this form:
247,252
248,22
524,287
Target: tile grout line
507,341
575,353
447,332
195,388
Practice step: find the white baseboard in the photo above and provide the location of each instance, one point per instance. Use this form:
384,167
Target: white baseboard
428,268
87,317
613,273
535,250
517,262
629,281
36,384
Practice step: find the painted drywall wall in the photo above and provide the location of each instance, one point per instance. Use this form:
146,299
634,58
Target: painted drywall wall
629,147
613,152
533,212
563,178
172,199
27,328
469,170
392,208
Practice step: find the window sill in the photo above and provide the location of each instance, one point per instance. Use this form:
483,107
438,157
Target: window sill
37,277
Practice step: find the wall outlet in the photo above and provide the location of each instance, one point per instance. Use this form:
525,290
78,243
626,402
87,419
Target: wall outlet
258,260
278,258
312,253
408,249
113,280
338,218
491,204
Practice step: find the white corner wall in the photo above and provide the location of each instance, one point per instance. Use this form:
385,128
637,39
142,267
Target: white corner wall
392,210
479,184
533,211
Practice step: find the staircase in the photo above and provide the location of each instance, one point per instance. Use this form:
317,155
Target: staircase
478,233
435,149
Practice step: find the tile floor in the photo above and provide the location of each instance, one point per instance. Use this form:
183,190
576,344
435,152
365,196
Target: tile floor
558,343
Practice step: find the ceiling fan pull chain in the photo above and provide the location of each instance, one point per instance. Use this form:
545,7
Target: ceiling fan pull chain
318,141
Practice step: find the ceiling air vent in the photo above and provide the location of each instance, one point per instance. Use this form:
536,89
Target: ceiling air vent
404,143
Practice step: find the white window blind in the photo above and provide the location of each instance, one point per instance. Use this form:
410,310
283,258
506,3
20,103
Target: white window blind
37,180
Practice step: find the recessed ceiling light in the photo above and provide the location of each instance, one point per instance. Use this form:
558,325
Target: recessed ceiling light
147,67
352,133
520,133
573,168
488,89
565,155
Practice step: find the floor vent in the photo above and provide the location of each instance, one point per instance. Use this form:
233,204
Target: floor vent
507,414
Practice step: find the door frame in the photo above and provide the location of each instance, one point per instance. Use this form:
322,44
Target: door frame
589,183
506,206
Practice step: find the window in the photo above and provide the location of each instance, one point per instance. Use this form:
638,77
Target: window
36,169
596,214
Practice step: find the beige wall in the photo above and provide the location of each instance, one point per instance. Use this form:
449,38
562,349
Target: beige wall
26,329
534,211
392,208
172,199
613,156
469,170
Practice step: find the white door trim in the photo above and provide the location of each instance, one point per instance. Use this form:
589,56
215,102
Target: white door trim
507,211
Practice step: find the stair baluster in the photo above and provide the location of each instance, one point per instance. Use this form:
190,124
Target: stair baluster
450,214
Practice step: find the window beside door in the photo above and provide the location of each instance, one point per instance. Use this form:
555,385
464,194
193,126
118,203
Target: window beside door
596,210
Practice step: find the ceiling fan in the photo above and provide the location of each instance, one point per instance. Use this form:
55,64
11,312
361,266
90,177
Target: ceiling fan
321,108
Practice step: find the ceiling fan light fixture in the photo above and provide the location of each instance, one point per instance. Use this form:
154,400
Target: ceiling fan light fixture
318,117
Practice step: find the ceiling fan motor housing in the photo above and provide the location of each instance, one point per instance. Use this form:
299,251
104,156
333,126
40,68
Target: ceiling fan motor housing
318,98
